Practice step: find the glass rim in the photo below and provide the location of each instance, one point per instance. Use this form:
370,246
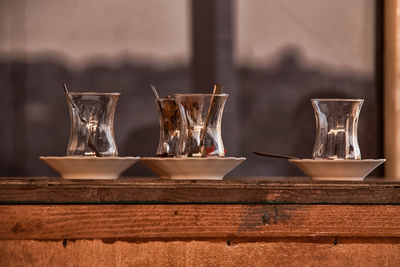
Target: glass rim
180,95
92,93
165,99
338,99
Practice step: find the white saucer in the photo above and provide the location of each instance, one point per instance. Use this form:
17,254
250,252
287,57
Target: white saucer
72,167
192,168
337,170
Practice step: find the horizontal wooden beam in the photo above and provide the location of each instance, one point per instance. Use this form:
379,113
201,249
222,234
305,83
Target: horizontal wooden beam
229,191
227,252
196,221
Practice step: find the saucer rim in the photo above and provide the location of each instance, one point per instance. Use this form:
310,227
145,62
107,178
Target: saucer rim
192,159
87,158
329,161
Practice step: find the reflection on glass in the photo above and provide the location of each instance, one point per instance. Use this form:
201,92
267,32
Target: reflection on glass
201,125
336,123
169,117
92,120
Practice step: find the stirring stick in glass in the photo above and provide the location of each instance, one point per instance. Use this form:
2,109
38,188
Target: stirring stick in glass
153,88
216,90
90,142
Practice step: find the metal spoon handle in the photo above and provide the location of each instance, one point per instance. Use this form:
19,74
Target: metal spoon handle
273,155
216,90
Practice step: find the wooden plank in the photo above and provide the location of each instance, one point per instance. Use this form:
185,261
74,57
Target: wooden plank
391,57
289,252
196,221
151,190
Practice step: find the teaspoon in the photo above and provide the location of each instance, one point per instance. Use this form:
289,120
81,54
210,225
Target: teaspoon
270,155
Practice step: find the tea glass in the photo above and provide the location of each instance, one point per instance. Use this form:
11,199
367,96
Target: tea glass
92,124
336,123
170,124
201,116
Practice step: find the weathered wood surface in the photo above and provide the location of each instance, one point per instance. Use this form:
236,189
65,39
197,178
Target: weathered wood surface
391,105
196,221
150,222
229,191
272,252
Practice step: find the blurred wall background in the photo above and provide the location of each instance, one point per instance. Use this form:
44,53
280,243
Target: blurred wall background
278,55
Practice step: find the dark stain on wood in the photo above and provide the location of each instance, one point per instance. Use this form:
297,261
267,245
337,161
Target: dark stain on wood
266,219
335,241
279,216
18,228
113,240
262,216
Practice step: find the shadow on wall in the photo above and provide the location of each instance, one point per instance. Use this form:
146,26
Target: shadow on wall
275,114
35,115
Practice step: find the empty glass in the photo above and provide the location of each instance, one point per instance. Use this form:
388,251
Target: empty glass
169,117
92,120
336,123
201,116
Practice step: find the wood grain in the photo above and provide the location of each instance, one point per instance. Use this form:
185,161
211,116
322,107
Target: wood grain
199,253
391,57
196,221
230,191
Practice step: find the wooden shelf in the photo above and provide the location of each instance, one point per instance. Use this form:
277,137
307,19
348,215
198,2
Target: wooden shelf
229,191
63,221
